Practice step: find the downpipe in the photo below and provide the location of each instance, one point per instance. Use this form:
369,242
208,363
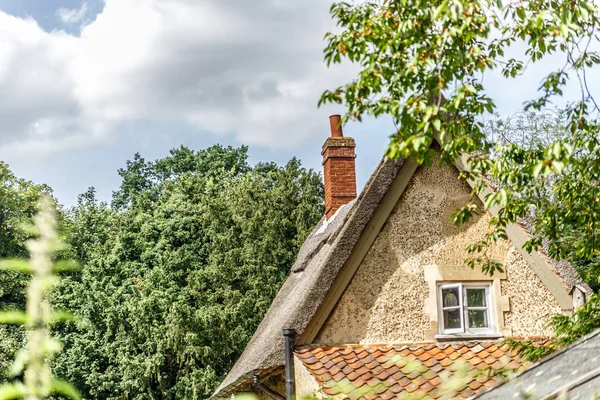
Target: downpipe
290,336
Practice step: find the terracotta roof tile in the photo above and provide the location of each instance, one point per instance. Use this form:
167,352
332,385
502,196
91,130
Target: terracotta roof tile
334,369
327,377
339,376
427,387
382,376
371,395
352,375
374,372
381,388
347,369
369,375
310,360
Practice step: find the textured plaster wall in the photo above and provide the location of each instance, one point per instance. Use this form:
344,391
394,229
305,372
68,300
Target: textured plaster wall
306,385
389,299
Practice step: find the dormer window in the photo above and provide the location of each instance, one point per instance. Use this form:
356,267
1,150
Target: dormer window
465,309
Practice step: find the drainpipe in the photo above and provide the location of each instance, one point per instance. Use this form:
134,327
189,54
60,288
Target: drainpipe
290,382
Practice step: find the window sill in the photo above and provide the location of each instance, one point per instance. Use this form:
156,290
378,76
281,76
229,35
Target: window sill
468,336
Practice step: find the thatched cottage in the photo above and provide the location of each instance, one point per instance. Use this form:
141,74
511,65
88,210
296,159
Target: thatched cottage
380,304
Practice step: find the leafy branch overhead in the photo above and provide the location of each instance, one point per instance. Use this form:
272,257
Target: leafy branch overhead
423,63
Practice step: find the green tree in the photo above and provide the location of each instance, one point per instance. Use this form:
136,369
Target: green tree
423,63
178,273
535,131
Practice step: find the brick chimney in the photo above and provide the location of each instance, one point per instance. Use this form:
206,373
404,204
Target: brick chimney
339,168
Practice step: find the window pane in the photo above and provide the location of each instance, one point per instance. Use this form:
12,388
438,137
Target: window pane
478,319
450,297
476,298
452,319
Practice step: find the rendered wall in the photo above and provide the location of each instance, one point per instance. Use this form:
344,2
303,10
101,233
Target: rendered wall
306,385
392,296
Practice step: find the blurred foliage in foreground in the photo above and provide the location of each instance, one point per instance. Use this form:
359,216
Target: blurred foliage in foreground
33,361
18,204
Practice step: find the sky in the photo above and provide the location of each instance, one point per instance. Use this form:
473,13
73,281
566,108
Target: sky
86,85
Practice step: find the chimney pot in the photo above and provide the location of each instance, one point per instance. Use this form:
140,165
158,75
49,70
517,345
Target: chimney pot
336,126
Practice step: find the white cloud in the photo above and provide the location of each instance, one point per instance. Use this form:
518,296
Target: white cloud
253,69
248,68
72,15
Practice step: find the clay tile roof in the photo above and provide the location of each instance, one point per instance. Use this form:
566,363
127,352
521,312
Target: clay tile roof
386,372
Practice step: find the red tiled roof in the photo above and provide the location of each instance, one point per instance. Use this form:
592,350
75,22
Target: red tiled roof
395,371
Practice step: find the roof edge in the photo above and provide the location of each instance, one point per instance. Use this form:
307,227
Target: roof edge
536,260
353,227
359,250
541,362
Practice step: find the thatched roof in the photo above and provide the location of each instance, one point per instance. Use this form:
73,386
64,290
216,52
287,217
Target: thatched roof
318,263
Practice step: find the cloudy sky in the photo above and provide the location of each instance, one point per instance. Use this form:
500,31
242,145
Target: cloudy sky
85,85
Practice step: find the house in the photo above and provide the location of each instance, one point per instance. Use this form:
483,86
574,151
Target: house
379,302
571,373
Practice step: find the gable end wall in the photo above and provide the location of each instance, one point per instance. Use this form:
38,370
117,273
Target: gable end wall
392,296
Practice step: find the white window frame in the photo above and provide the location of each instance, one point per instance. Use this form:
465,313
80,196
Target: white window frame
464,315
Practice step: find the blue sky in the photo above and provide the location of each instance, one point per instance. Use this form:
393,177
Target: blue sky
85,85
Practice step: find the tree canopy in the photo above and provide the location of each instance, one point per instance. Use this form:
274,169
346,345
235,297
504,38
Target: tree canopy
179,270
423,63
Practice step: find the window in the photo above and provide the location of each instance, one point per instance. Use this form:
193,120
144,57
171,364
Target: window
465,308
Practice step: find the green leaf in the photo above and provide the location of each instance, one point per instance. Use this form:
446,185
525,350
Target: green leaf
12,391
65,389
584,13
13,318
63,316
19,364
538,169
66,266
566,15
18,265
441,9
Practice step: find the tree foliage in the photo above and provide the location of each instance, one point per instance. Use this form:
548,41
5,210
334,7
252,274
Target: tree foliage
535,131
179,271
423,63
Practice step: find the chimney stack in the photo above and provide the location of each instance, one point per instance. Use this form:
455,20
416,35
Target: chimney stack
339,168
